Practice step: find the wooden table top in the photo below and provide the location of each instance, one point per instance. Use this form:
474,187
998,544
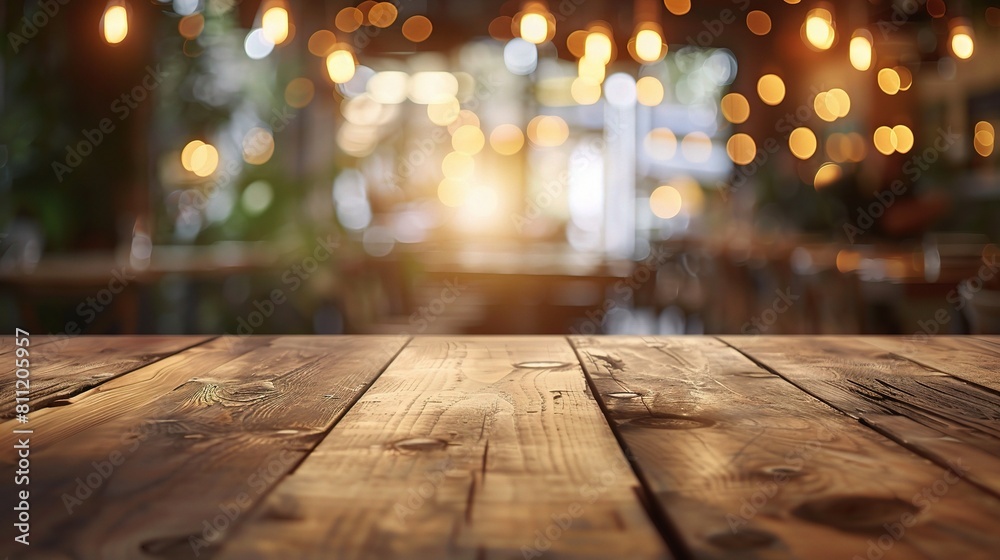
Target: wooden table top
506,447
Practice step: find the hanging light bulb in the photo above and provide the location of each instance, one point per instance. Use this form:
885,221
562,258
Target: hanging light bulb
962,44
114,22
597,46
861,50
818,29
648,43
275,21
340,65
535,24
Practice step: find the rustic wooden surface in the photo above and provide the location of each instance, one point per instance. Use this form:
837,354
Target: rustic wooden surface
508,447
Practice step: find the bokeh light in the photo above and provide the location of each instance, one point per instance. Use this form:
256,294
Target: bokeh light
771,89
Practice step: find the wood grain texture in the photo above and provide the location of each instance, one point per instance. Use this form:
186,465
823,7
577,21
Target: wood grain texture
967,358
198,439
66,366
935,414
745,465
7,342
482,448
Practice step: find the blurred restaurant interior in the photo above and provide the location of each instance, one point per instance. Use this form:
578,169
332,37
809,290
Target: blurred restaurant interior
488,166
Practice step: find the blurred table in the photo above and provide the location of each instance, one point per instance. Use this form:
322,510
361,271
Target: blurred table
116,278
507,447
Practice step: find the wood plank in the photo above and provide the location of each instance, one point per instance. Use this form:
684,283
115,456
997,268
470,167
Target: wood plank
199,435
471,447
935,414
68,366
964,357
745,465
7,342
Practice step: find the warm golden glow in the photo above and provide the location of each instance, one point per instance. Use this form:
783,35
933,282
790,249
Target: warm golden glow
258,146
340,65
585,91
458,166
884,140
591,69
432,87
468,140
417,29
819,30
838,102
984,138
200,158
597,48
383,14
961,42
188,151
888,81
548,131
827,174
322,43
758,22
534,28
741,148
665,202
388,88
114,24
696,147
861,50
771,89
444,113
735,108
648,45
465,118
678,7
507,139
451,193
274,22
901,138
822,108
349,19
802,143
649,91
